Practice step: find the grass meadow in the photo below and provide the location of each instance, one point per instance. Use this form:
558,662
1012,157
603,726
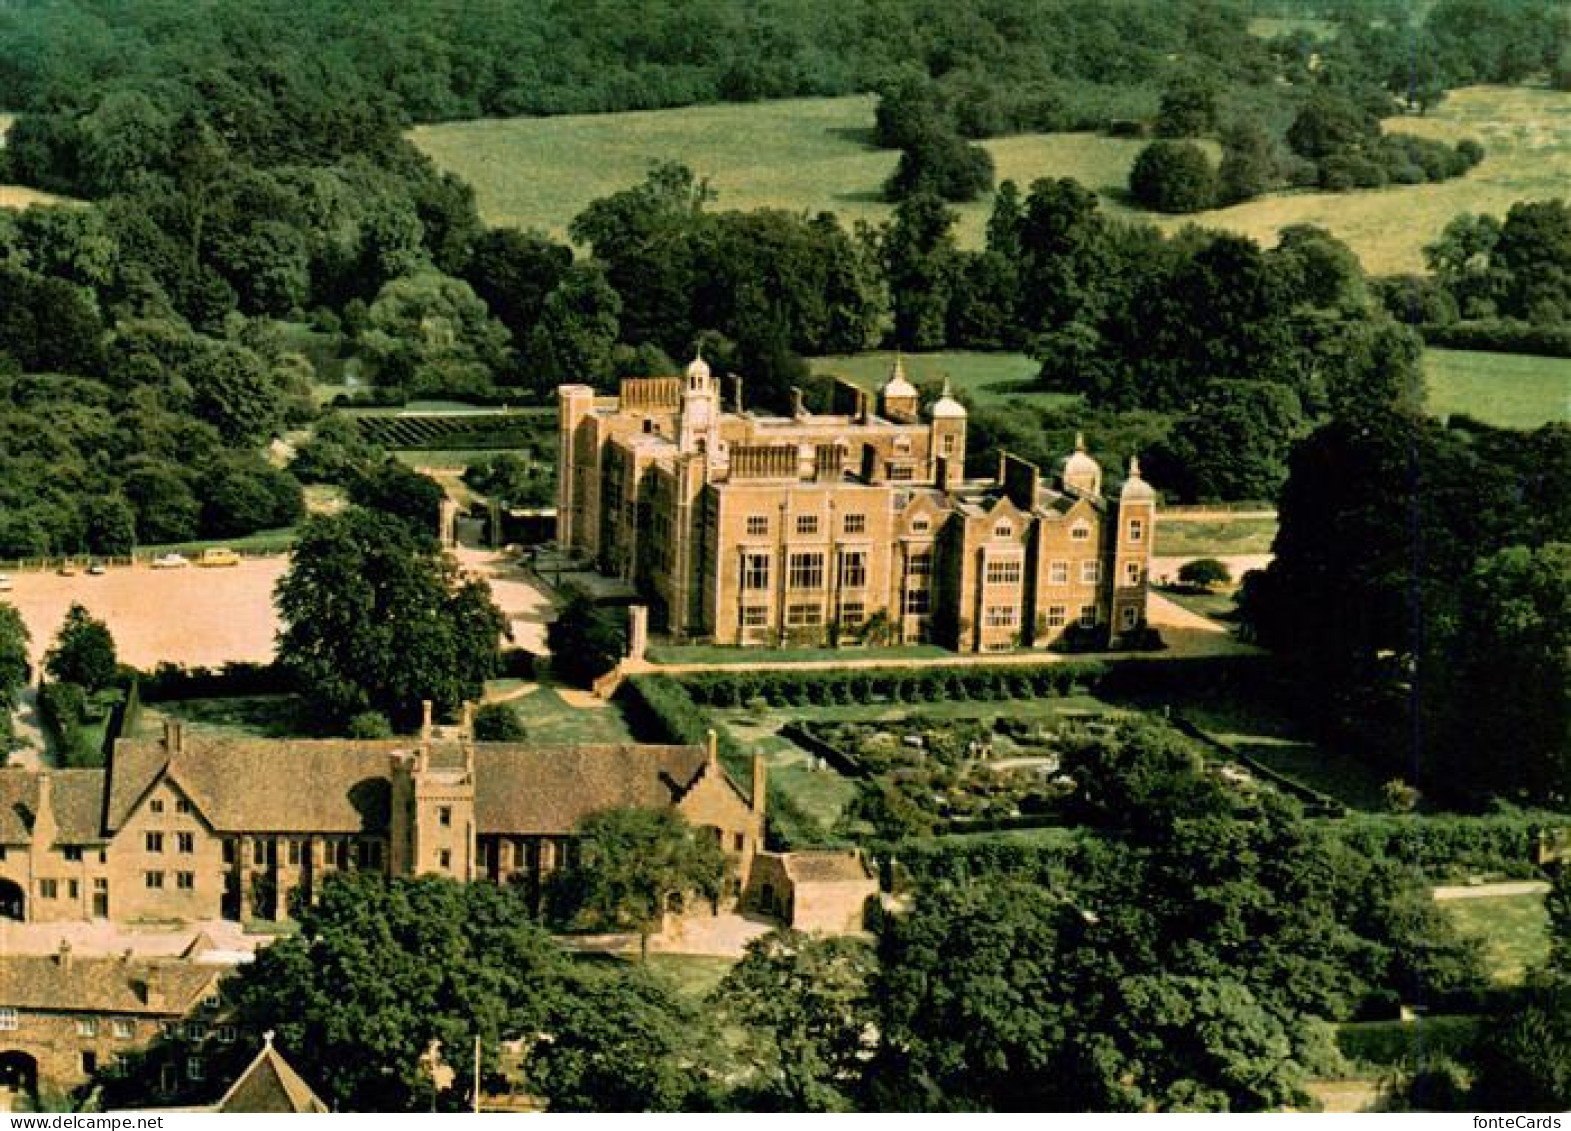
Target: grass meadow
1514,927
816,154
1507,390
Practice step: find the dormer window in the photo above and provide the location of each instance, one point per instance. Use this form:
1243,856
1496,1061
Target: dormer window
1080,531
1004,530
920,526
902,443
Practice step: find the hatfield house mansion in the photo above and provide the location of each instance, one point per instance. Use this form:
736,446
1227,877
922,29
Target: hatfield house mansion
749,528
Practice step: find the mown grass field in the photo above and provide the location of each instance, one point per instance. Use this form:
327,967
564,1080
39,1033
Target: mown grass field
1504,389
816,154
1515,927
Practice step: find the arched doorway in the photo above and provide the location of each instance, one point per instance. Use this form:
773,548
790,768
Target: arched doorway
13,903
18,1080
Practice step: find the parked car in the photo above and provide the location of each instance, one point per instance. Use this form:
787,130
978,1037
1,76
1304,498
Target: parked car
96,569
218,556
67,569
169,561
5,583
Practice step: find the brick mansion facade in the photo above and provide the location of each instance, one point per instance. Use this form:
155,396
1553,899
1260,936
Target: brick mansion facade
749,528
190,827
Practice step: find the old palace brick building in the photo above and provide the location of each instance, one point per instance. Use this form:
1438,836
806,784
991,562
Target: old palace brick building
749,528
191,826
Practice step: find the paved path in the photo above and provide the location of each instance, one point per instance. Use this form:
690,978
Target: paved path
1487,891
1186,633
33,749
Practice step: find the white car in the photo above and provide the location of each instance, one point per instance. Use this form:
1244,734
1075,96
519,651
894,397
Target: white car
5,583
169,561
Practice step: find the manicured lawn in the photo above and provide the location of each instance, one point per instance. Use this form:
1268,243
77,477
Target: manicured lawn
263,716
1218,605
550,720
695,975
815,154
1508,390
990,378
1180,537
1516,928
1335,774
822,794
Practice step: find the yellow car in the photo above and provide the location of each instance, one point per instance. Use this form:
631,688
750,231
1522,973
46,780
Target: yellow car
218,556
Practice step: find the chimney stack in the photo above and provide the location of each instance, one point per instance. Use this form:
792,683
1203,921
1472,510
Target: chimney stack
798,408
712,749
760,784
174,738
736,386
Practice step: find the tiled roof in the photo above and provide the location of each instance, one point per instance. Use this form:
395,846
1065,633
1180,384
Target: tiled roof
270,1085
18,802
262,785
77,800
341,786
547,790
81,984
79,806
825,867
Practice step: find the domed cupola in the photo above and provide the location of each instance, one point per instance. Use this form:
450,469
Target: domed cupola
1081,472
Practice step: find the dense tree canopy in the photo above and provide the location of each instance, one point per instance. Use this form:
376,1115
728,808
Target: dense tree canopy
377,617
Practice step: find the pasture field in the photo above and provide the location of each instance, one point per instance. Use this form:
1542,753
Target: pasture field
1514,927
1507,390
816,154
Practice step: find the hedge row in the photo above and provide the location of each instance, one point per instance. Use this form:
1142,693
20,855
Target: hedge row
1453,847
915,863
172,681
789,687
659,709
1500,335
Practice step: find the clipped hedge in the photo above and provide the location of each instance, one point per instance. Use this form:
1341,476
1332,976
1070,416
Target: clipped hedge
1453,847
819,687
660,709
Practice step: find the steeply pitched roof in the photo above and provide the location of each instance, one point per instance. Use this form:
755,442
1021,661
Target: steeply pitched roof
18,804
341,786
270,1085
96,984
262,785
77,798
79,806
547,790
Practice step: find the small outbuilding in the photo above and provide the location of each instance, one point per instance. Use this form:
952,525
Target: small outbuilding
824,892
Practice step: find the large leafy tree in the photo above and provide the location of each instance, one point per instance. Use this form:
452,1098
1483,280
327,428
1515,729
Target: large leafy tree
376,617
625,1040
586,639
804,1008
380,970
14,668
631,866
83,652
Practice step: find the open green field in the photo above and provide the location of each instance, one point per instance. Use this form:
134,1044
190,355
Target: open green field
1178,537
550,720
815,154
989,378
804,154
1516,928
1508,390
